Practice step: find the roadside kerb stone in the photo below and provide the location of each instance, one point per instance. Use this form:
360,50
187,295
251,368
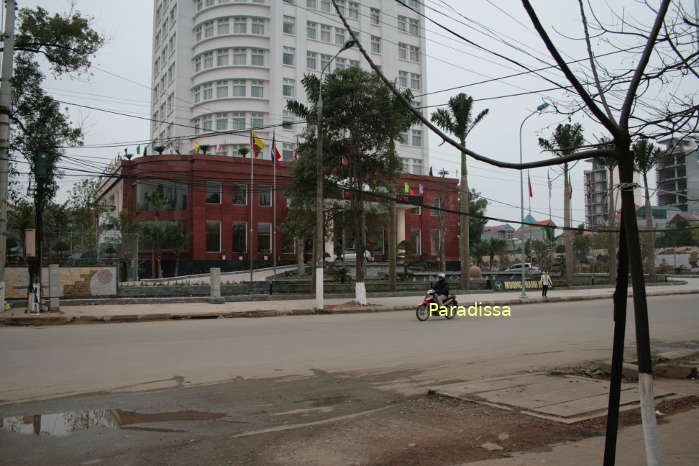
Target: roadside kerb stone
68,319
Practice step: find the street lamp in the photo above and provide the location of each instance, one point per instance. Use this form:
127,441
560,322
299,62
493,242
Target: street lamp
319,250
539,108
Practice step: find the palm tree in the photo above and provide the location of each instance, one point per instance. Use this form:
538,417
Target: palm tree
565,140
645,157
457,120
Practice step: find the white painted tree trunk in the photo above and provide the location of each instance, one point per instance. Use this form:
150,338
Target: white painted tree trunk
360,293
650,432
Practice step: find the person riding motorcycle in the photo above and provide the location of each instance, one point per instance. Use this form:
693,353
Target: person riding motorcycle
441,288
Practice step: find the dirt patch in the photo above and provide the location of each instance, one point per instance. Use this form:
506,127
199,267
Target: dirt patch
421,431
633,417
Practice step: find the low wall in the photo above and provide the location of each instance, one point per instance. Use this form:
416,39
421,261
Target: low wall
75,282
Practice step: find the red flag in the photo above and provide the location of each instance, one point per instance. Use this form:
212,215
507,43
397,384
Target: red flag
276,156
529,180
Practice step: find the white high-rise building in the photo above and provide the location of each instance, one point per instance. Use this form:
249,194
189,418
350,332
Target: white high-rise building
225,65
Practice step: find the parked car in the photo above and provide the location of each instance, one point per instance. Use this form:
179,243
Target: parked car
528,267
350,255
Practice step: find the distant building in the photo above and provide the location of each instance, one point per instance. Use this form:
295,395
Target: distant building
541,230
661,216
678,175
596,193
497,232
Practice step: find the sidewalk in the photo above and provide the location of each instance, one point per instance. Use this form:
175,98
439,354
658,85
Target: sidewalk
106,313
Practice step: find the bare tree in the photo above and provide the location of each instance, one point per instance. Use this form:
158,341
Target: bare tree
661,50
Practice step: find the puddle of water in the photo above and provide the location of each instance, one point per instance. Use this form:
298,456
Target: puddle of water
64,424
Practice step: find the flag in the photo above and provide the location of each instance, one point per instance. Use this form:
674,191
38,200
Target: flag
529,181
257,144
406,188
218,148
196,146
276,156
138,149
421,189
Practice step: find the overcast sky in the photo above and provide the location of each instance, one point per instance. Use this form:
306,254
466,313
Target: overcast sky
121,75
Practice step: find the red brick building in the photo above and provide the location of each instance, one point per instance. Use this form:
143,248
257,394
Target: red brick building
211,195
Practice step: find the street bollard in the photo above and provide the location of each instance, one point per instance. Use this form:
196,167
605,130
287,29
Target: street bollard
54,287
215,286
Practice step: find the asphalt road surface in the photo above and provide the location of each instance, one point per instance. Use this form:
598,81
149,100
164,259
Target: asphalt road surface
49,362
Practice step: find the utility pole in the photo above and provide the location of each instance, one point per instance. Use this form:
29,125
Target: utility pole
5,100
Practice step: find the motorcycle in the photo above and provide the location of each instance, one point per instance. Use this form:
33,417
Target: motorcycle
423,310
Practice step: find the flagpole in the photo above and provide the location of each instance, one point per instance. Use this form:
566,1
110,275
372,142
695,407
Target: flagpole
274,205
251,200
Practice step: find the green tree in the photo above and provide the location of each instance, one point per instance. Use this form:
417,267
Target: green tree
66,44
645,158
565,140
458,120
581,245
362,120
476,207
542,252
86,210
495,247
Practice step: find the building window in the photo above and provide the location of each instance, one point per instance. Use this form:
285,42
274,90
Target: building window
375,44
375,16
175,195
289,25
240,56
209,29
208,60
415,238
287,119
312,30
264,238
417,137
414,54
312,4
415,81
222,57
196,94
436,241
258,26
339,36
213,236
354,63
325,32
223,26
435,202
265,195
221,89
402,24
403,79
413,26
240,236
257,120
325,5
324,60
288,151
288,87
238,120
213,192
403,51
208,91
240,25
340,63
240,194
258,57
197,64
239,88
354,10
257,89
288,56
311,60
197,33
221,121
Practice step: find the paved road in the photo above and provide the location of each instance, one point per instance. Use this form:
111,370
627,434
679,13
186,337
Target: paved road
53,361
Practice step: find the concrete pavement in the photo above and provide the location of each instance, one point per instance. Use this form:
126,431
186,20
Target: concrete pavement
106,313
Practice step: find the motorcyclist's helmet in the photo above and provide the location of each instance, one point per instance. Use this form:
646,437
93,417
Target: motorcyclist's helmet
441,275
